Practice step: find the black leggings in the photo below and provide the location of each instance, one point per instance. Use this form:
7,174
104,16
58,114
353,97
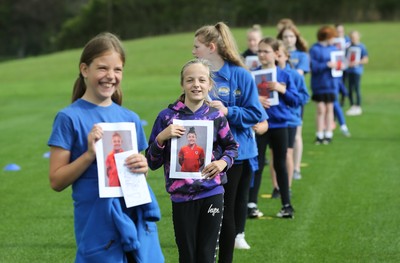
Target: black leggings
197,225
235,208
278,141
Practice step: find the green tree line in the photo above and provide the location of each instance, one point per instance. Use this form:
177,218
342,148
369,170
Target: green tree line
33,27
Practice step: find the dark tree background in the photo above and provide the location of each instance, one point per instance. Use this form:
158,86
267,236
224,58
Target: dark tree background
33,27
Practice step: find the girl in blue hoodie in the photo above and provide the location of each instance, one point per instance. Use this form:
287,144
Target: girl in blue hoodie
279,117
197,204
105,229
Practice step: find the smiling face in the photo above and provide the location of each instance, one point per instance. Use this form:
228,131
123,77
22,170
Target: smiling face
117,142
102,77
196,83
191,138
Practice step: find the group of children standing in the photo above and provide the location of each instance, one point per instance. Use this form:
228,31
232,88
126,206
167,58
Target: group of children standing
289,52
208,214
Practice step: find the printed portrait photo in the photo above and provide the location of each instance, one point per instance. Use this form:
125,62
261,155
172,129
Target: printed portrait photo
354,54
252,62
262,78
117,138
339,57
191,152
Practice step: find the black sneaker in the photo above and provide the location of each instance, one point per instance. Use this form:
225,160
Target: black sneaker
318,141
254,212
327,141
286,212
275,193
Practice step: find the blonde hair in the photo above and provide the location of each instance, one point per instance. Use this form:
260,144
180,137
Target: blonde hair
255,28
203,62
221,36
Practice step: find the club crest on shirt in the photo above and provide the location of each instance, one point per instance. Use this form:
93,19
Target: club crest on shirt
223,91
238,93
294,61
196,152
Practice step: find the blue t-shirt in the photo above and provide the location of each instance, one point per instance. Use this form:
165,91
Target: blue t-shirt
280,115
73,124
300,60
300,84
70,130
359,69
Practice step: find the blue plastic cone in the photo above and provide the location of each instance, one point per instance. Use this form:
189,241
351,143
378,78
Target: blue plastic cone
12,167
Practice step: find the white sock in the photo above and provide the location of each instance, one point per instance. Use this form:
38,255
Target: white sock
251,205
328,134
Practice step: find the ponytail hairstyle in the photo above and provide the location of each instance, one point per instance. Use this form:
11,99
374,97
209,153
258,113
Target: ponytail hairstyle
97,47
203,62
221,36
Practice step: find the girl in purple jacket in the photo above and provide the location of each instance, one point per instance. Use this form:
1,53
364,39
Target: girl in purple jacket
197,204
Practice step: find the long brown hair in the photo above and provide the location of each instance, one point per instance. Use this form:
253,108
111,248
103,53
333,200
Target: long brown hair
222,37
95,48
301,43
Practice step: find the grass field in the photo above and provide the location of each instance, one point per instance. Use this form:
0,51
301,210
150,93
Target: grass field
347,204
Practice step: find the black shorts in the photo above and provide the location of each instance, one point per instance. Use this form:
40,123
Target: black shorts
291,136
326,97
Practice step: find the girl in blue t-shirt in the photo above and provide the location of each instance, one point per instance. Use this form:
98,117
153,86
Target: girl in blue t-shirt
105,229
279,116
300,61
297,47
354,71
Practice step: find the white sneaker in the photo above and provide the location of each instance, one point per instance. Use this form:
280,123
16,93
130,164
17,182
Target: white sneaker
296,175
354,111
345,131
351,111
240,242
358,110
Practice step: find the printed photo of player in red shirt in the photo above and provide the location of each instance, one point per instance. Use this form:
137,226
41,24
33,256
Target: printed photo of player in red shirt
191,156
112,173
